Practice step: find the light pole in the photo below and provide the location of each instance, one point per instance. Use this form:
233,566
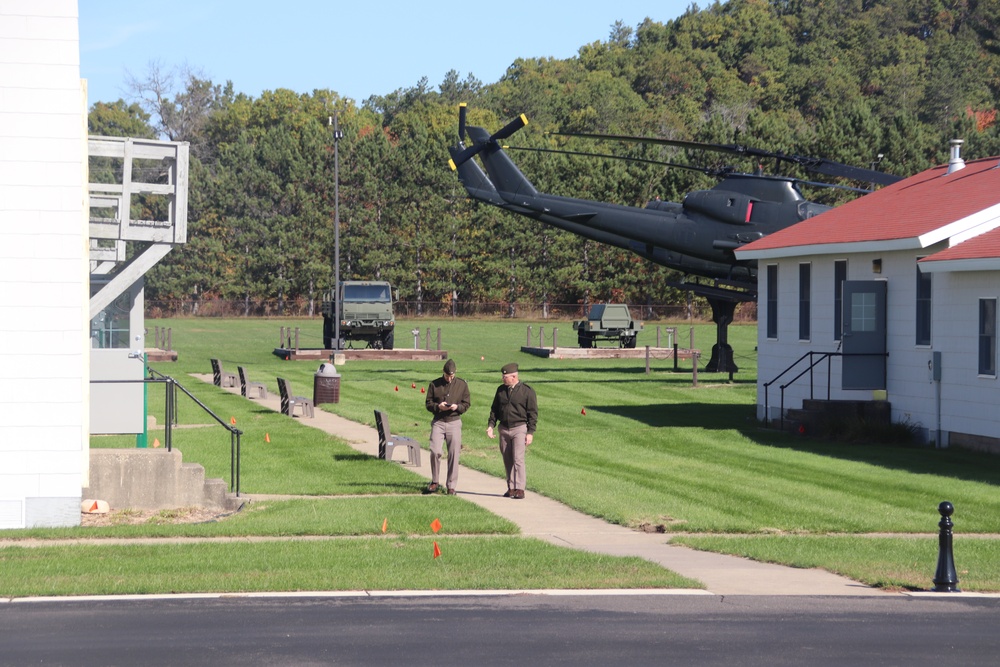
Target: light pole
337,134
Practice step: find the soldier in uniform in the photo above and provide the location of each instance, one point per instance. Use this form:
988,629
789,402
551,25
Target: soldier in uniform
515,410
447,398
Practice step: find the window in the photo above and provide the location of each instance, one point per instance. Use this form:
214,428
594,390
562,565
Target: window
988,337
805,277
772,300
923,322
864,310
839,276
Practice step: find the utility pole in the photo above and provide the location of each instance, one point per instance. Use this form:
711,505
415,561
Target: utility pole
337,135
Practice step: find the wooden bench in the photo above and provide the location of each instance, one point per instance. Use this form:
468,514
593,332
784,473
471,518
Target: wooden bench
289,401
220,377
246,386
387,442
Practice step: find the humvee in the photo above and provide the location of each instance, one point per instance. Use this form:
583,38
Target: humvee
607,321
366,314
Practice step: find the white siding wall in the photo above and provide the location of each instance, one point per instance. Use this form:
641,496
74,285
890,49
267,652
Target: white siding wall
43,265
968,402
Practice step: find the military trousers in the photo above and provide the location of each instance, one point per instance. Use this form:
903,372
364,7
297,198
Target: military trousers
512,449
450,433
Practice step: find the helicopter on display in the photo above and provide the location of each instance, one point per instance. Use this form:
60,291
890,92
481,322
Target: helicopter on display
697,237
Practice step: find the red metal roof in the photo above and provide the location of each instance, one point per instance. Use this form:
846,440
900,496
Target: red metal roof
908,209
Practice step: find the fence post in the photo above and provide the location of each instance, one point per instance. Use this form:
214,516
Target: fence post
694,369
657,336
296,339
647,355
541,336
676,352
427,345
527,342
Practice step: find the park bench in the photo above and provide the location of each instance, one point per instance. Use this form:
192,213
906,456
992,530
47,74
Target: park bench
387,442
220,377
289,401
247,388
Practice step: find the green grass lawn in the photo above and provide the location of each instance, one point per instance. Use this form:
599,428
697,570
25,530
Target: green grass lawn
612,441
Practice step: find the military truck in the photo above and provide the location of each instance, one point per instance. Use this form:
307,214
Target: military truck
365,315
607,321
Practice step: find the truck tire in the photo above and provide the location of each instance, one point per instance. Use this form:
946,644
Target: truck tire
584,340
389,340
628,341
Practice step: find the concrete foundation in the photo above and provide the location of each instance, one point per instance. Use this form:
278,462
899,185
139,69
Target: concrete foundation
154,479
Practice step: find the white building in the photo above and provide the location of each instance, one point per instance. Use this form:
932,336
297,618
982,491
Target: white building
904,284
44,270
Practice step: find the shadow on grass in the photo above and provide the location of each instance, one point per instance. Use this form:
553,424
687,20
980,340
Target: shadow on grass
952,462
681,415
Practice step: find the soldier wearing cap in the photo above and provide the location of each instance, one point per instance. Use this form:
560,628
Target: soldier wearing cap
447,398
515,409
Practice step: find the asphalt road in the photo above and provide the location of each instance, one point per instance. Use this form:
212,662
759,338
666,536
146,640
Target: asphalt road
505,630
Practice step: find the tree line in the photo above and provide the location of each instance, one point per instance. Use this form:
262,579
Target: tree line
862,82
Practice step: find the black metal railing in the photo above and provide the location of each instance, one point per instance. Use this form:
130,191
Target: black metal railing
813,362
170,419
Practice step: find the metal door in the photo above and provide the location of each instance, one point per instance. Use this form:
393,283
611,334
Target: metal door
864,334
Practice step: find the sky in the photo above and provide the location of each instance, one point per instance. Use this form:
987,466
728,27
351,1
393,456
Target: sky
354,48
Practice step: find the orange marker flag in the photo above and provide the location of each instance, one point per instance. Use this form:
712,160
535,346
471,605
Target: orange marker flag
385,524
267,437
436,525
156,442
584,411
232,420
422,390
397,387
437,550
413,385
93,508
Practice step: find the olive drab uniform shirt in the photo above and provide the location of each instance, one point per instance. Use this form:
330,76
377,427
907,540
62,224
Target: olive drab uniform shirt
456,391
513,406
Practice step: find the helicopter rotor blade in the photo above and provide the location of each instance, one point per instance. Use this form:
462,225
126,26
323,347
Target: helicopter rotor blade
704,170
708,171
462,108
817,165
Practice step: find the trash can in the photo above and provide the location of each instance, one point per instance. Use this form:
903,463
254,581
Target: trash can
326,385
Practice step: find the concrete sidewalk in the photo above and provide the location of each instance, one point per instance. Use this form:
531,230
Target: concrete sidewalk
548,520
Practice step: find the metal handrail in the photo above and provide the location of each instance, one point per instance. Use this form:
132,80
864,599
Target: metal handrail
170,418
812,364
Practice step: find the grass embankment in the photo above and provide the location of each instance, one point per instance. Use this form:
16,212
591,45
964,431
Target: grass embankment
650,449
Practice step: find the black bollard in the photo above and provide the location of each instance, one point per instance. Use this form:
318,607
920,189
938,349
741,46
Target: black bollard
945,579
